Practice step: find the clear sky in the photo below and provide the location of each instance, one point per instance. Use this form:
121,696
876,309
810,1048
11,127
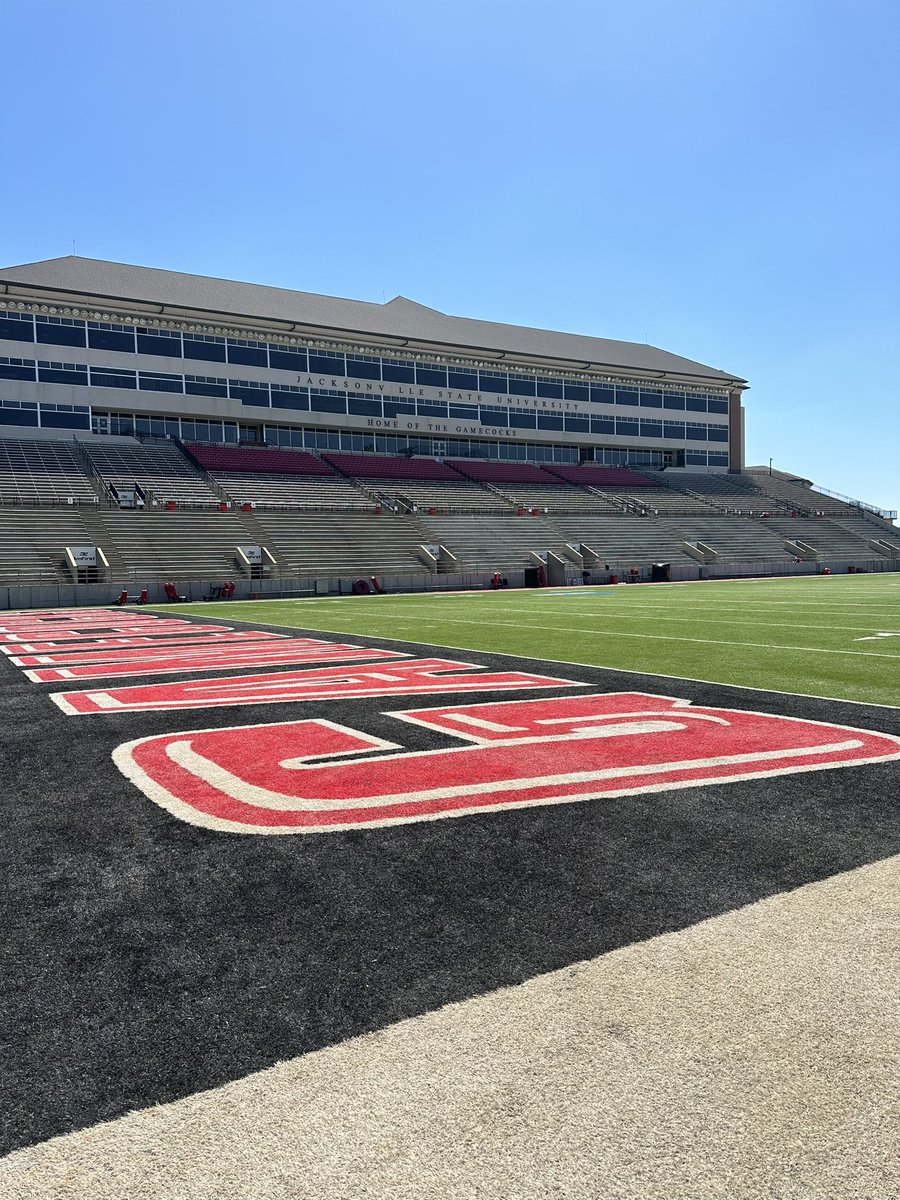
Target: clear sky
717,177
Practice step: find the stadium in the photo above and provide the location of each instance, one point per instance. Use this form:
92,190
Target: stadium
166,428
455,889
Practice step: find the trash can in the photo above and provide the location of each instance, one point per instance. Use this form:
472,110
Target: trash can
613,579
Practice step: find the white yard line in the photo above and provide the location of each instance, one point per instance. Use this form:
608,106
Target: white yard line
690,620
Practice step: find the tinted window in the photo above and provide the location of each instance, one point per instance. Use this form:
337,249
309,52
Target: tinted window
62,374
359,407
156,381
696,433
64,420
397,408
651,428
494,416
546,421
60,335
464,381
522,420
493,383
520,386
716,406
18,416
209,351
15,330
112,378
431,375
435,409
651,398
165,345
287,360
362,369
603,425
674,429
283,399
197,387
577,391
249,395
397,372
248,356
323,364
110,339
551,388
696,403
717,433
13,370
464,412
673,400
627,426
626,395
578,425
329,404
603,395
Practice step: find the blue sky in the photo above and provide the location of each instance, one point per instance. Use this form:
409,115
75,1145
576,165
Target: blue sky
719,178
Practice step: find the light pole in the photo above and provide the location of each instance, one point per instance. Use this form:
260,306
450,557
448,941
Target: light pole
770,466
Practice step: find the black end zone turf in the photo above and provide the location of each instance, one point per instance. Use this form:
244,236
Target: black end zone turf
145,959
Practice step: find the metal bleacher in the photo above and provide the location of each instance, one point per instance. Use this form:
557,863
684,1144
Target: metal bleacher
157,466
43,472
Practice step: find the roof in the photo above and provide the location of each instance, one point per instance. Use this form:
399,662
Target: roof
398,318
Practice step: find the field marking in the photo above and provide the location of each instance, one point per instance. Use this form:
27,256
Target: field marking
658,637
563,662
689,620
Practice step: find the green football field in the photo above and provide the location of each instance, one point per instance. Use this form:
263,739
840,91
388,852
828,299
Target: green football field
832,636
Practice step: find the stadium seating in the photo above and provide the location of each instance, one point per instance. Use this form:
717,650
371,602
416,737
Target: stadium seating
293,491
231,460
377,466
181,545
607,479
321,545
157,466
32,543
504,543
43,472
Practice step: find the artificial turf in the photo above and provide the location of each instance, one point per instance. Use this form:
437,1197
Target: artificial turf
831,636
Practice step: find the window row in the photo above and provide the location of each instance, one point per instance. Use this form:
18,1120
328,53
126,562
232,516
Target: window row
45,416
62,331
292,437
341,403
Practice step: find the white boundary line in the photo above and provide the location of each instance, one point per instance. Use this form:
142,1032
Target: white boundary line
562,662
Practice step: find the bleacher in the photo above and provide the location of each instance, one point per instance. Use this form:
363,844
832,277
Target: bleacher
323,545
440,495
661,500
43,472
232,460
606,479
382,466
33,541
181,545
827,537
625,540
562,498
499,474
156,466
503,543
734,539
293,491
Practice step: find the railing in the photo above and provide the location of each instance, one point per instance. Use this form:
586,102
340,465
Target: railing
888,514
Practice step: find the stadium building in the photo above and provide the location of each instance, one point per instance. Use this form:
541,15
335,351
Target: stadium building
112,348
145,401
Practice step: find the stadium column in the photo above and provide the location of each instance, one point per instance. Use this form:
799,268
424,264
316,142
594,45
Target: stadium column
735,432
